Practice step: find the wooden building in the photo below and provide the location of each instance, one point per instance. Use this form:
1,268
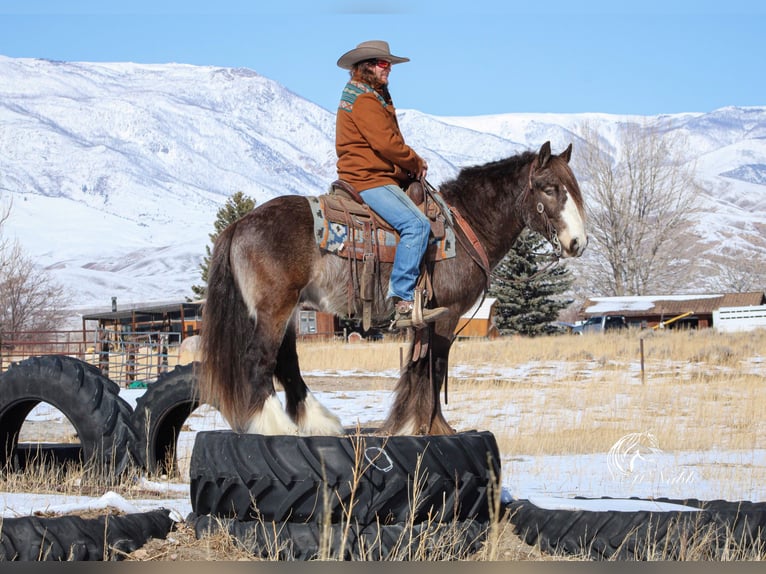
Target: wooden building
317,324
674,311
479,320
138,343
181,318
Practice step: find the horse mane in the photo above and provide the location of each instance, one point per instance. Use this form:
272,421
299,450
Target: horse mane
493,177
489,176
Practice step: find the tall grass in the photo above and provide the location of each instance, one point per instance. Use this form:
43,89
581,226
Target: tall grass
698,390
576,394
569,395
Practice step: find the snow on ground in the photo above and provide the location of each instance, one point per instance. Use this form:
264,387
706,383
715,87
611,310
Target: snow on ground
637,468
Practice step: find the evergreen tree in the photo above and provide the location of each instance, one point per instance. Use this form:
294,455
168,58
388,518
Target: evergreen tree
235,207
526,291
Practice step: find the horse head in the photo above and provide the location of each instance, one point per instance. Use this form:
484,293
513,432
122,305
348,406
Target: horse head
552,202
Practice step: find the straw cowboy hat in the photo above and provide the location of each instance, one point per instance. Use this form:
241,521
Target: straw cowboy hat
368,51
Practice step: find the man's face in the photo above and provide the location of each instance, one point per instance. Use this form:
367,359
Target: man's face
382,69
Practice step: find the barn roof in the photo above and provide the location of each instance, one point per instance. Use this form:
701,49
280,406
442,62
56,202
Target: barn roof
188,308
664,305
484,310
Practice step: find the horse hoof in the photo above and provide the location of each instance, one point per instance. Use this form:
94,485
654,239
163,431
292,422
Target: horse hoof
317,420
272,420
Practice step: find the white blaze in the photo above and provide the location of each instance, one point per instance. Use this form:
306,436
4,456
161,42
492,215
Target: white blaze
574,226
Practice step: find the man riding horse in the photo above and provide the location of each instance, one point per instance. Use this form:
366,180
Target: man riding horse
273,260
374,159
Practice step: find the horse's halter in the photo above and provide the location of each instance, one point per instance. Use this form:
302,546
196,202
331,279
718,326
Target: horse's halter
551,233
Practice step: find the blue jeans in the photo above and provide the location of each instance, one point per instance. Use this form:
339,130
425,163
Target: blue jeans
393,205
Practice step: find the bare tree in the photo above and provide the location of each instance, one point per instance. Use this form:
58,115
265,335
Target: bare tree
642,198
29,298
739,272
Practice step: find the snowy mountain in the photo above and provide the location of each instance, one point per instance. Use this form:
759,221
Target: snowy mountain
116,171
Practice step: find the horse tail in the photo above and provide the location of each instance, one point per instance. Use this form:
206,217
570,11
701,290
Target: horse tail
226,333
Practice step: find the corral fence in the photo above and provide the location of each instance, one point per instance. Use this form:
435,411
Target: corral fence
126,357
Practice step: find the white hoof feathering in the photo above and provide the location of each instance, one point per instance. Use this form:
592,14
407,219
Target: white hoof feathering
272,420
318,420
407,429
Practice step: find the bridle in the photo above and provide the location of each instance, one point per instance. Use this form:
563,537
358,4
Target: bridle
550,231
553,236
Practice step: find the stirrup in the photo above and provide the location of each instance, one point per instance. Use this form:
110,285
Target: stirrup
412,314
427,316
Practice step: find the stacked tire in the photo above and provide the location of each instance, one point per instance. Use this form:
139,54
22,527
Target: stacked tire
91,402
160,415
71,538
114,437
359,496
109,448
698,530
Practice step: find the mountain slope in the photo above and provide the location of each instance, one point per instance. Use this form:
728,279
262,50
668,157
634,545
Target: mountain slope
115,171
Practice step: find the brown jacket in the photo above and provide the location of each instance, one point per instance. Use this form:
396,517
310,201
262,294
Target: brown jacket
371,150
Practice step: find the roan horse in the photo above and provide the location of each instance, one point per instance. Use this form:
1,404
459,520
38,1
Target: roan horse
267,263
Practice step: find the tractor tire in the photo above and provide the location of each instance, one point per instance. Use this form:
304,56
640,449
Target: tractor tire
160,414
362,478
87,398
717,528
51,455
71,538
314,541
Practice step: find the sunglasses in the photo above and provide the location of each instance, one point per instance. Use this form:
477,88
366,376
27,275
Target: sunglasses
382,64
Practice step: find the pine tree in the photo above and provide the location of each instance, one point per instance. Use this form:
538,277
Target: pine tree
235,207
526,291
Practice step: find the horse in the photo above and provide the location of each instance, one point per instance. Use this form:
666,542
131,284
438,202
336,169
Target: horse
267,264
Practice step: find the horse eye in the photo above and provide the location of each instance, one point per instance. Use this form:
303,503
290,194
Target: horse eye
550,190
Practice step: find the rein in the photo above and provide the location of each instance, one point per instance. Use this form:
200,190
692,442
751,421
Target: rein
475,249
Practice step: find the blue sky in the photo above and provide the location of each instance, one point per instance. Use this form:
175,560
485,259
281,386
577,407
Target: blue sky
469,57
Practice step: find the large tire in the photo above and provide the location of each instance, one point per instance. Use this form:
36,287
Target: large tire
160,414
718,528
72,538
304,479
312,541
87,398
51,455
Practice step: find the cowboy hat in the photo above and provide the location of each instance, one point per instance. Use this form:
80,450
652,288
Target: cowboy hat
368,51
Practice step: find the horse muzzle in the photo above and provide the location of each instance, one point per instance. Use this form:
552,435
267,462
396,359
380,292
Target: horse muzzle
575,247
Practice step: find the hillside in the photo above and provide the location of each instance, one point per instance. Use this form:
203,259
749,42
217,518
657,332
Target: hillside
115,171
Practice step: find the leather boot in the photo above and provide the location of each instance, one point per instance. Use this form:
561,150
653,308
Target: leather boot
404,311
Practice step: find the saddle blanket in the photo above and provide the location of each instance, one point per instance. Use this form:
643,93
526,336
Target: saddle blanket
335,237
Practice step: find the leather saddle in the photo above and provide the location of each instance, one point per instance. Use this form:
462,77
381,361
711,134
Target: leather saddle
344,198
345,225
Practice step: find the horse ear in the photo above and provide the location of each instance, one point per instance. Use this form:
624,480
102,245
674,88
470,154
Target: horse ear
544,155
566,155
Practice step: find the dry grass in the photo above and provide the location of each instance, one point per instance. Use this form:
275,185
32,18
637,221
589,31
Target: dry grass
578,394
699,390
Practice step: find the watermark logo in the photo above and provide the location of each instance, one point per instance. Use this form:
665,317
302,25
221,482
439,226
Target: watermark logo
638,457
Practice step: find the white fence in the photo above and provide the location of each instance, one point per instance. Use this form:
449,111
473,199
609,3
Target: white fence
730,319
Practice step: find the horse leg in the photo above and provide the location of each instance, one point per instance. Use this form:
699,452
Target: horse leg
270,310
312,417
417,407
266,413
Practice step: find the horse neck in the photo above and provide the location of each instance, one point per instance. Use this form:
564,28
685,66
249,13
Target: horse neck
493,209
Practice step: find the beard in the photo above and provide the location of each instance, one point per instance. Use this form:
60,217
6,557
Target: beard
365,73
